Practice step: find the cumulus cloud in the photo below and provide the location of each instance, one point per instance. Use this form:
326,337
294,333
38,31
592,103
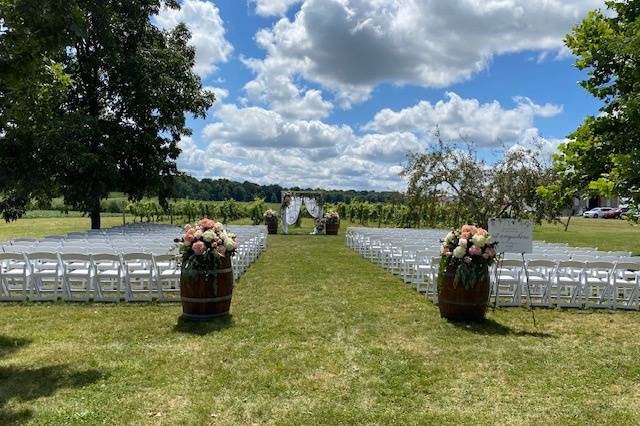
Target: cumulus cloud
350,46
457,118
272,7
267,147
207,31
275,88
259,127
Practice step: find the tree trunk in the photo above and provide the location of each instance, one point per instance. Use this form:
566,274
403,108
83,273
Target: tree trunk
95,218
566,226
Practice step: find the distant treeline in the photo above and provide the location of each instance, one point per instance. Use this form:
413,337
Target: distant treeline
224,189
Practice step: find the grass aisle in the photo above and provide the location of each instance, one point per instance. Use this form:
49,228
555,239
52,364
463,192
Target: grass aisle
318,336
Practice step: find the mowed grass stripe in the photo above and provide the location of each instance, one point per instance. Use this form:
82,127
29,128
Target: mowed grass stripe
318,336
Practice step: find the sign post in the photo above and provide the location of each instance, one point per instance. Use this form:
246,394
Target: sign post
513,236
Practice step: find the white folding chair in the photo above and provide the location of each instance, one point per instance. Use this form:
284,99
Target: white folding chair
108,277
597,285
45,276
77,277
541,273
138,277
568,284
14,279
508,285
167,278
625,292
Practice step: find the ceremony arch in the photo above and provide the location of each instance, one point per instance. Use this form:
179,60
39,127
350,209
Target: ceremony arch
292,202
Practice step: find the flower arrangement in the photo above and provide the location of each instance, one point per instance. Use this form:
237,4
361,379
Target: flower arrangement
470,250
270,216
204,245
319,226
331,217
286,200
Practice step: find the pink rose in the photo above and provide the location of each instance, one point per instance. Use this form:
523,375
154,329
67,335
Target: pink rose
198,233
189,237
491,252
475,251
188,227
468,228
465,235
482,231
448,254
199,247
467,259
218,227
221,250
206,223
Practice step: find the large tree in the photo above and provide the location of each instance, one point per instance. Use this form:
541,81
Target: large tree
93,97
603,154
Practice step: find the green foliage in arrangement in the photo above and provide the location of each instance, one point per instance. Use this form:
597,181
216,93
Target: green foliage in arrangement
93,97
603,154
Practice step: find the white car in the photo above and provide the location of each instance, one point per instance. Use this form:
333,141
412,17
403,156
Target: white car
596,213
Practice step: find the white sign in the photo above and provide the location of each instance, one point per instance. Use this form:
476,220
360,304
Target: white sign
513,236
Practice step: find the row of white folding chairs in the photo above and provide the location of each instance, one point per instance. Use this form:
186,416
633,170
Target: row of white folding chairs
251,246
81,277
418,266
101,277
569,283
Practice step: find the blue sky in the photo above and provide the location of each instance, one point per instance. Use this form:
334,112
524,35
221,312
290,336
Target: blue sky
335,93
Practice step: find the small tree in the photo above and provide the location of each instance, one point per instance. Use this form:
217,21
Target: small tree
477,191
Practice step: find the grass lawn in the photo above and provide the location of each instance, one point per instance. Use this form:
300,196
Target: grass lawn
318,336
605,234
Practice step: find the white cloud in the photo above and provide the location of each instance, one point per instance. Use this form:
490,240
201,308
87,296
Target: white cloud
273,7
350,46
258,127
266,147
487,124
275,88
207,31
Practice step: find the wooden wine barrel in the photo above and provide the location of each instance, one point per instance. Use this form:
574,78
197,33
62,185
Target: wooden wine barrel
201,299
272,228
332,228
458,303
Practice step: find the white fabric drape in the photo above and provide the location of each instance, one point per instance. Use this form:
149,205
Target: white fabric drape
291,213
313,207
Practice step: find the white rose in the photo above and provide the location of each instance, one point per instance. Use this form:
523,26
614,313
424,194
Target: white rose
228,244
459,252
208,236
479,240
450,237
463,243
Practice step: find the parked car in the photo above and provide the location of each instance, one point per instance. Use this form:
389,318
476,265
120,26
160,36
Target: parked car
597,212
616,213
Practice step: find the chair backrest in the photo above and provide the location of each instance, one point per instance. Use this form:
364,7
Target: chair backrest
627,267
137,256
18,257
541,263
510,263
75,256
599,265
